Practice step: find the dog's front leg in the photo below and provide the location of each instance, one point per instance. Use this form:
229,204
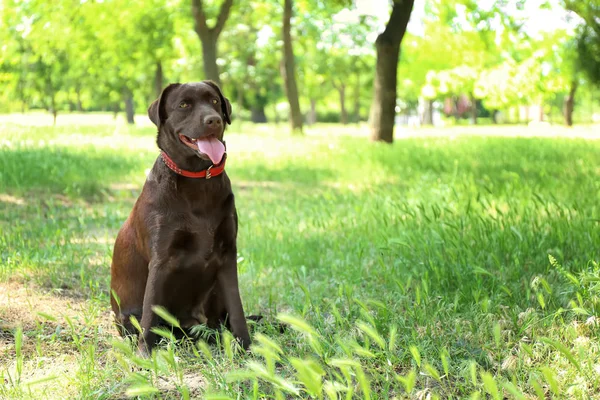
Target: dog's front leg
153,296
228,283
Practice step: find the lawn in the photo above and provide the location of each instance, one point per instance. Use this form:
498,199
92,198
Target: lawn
443,266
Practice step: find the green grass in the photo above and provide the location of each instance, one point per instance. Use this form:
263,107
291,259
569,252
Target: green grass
447,267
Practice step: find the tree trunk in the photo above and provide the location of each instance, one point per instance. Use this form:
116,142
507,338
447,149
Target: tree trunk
209,36
52,95
473,110
276,113
455,102
240,98
129,110
115,110
209,60
158,79
289,70
357,92
312,116
53,108
495,116
79,106
343,114
387,45
428,113
257,114
569,105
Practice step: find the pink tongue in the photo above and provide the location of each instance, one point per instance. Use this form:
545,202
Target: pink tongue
212,147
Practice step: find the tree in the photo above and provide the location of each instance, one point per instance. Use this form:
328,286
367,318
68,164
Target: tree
252,73
387,45
209,36
588,36
288,69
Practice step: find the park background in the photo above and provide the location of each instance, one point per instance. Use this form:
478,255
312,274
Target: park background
418,188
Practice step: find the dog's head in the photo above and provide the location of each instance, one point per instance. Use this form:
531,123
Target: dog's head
191,119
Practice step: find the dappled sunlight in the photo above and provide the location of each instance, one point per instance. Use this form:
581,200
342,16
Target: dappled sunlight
416,198
13,200
440,237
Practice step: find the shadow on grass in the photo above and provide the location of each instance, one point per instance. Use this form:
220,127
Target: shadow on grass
88,173
63,171
493,161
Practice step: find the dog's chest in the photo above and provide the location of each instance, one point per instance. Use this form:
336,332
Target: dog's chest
197,241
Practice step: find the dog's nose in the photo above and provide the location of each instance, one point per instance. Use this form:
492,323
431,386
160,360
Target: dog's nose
213,121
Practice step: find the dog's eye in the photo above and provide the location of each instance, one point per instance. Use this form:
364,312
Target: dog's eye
215,101
183,104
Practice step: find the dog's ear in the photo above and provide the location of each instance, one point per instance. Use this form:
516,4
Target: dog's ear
156,111
225,104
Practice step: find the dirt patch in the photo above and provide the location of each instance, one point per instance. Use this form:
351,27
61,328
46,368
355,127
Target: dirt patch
45,312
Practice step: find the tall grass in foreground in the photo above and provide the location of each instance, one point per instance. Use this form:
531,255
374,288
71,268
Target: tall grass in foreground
433,268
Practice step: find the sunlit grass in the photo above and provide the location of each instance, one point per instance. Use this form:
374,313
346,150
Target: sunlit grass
447,266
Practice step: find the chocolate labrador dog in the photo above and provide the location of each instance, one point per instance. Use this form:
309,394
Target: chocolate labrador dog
177,249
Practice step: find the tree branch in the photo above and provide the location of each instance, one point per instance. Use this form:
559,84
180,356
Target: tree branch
223,16
199,18
396,26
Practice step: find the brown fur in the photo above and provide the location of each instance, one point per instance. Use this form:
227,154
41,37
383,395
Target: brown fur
177,249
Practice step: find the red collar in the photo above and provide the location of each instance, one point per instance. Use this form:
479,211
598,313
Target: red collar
208,173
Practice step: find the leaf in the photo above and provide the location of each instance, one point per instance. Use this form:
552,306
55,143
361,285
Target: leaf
343,363
430,369
134,321
123,345
497,334
372,333
205,349
538,389
361,351
445,363
46,316
310,374
540,299
363,382
217,396
297,323
267,342
489,384
41,380
517,233
561,348
141,390
278,382
512,389
473,372
164,314
227,345
551,379
408,381
481,271
392,339
416,355
163,333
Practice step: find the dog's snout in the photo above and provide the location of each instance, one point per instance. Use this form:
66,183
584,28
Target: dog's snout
213,120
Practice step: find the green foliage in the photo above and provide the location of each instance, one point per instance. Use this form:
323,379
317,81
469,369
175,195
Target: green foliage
67,55
588,37
418,275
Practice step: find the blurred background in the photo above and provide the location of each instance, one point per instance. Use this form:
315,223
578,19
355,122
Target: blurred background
462,61
460,262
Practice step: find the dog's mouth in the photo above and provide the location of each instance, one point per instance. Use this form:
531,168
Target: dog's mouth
208,148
